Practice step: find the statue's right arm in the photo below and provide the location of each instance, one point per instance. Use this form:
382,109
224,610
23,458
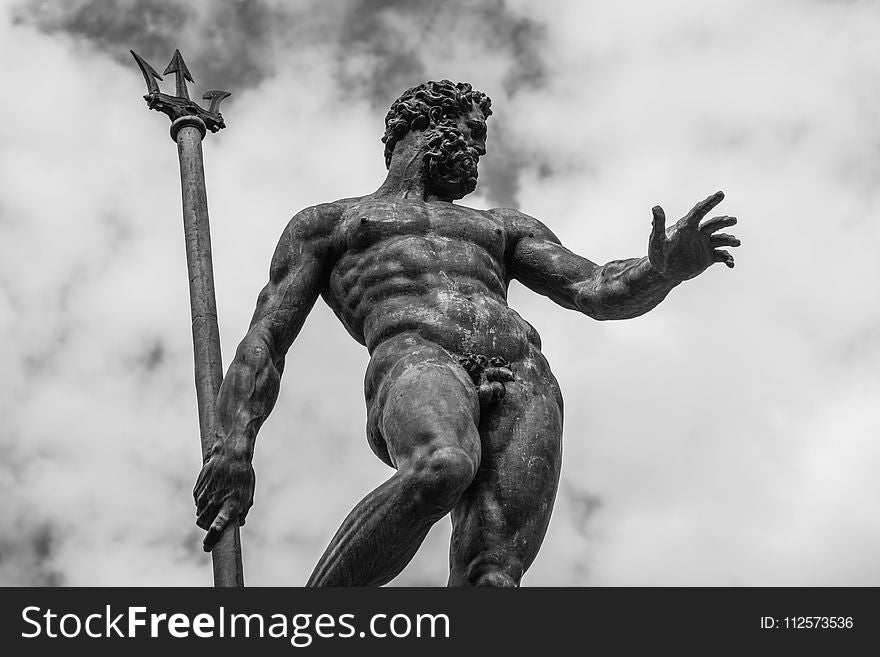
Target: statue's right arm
297,275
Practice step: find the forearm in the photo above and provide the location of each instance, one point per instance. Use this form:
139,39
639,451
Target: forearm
247,396
622,289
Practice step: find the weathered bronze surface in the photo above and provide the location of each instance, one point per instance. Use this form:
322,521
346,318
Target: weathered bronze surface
461,401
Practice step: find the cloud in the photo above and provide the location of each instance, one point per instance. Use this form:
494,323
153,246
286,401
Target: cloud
232,40
110,25
374,50
389,45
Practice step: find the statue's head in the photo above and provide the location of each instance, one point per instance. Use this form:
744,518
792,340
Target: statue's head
453,119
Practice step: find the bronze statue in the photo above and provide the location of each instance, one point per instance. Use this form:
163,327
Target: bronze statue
460,400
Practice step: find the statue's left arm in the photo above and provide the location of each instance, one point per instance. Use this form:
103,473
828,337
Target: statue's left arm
619,289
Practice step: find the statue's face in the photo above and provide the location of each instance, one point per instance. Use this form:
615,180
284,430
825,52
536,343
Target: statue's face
452,155
473,127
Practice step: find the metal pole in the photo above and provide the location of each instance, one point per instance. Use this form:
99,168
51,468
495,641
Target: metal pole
188,127
203,305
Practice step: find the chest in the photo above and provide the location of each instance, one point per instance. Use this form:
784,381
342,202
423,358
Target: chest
369,224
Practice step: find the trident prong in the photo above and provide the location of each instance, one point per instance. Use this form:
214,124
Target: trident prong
178,66
150,75
216,97
180,105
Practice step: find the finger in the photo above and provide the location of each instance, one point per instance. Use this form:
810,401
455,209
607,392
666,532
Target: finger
659,224
723,239
716,223
700,209
217,527
205,516
201,484
658,231
199,492
719,255
243,515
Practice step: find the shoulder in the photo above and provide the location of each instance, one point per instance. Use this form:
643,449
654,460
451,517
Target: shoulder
308,234
518,225
317,221
316,224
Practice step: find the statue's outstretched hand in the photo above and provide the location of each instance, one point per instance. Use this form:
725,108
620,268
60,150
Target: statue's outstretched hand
689,247
223,491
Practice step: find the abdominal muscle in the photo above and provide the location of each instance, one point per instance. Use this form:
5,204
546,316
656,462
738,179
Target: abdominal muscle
455,301
459,324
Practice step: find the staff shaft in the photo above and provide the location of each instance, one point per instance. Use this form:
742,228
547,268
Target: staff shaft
206,336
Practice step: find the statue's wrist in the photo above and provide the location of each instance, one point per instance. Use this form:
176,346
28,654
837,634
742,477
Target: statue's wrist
660,275
232,449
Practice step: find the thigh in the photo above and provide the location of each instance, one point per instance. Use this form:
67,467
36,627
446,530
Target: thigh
418,397
522,440
503,516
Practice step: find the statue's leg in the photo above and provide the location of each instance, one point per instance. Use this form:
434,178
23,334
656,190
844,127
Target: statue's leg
500,521
423,410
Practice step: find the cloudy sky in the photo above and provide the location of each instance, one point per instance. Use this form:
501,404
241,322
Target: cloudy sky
730,437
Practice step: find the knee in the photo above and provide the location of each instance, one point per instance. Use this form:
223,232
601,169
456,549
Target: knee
487,573
440,476
494,578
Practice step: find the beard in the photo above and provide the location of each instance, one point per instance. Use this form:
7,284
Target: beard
450,165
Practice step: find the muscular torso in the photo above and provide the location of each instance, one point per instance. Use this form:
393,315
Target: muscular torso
436,269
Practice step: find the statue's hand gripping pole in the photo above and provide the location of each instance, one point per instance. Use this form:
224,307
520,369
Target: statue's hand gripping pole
189,125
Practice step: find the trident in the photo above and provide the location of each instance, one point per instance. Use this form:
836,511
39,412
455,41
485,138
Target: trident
189,125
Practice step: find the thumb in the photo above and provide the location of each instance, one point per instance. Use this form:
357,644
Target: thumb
215,531
658,231
659,224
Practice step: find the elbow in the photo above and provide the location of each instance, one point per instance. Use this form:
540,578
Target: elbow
256,349
616,311
254,370
604,307
594,303
250,387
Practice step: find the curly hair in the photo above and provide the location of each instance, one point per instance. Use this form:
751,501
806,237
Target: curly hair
427,105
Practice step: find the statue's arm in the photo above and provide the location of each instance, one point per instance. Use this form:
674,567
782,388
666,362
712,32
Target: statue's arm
620,289
297,274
